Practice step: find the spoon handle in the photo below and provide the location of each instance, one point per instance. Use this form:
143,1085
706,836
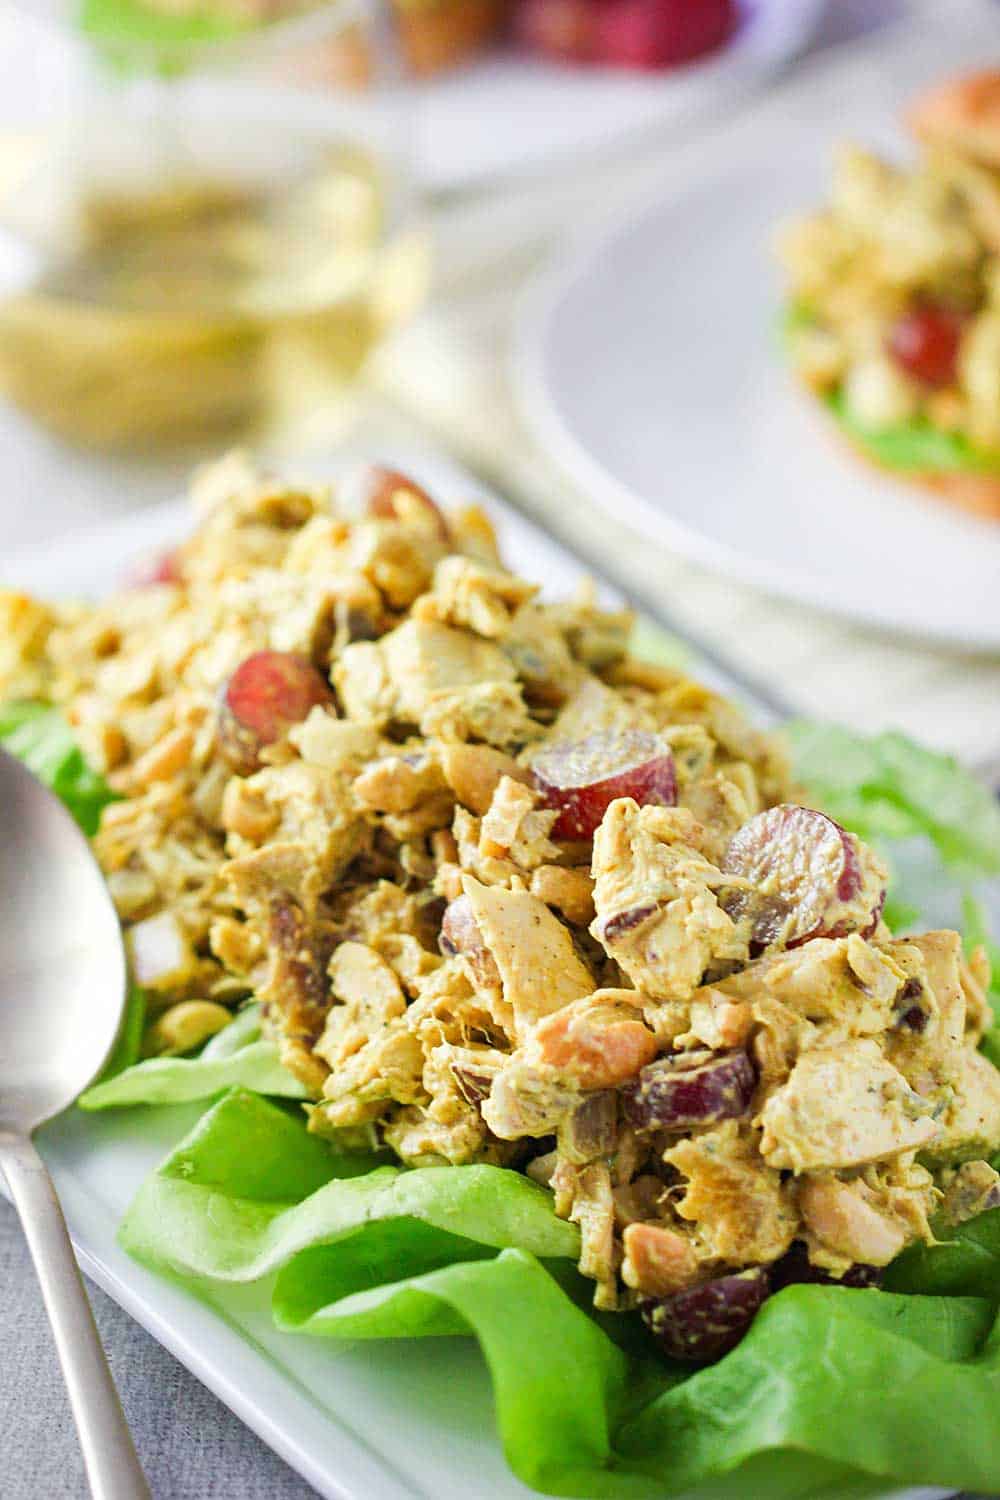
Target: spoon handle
110,1459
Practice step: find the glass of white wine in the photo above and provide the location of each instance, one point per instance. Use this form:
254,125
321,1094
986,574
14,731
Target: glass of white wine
215,246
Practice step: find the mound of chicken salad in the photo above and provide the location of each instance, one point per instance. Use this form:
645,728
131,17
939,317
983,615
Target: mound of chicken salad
507,895
893,294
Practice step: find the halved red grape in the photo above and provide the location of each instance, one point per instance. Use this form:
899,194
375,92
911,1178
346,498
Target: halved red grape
561,29
925,342
651,34
795,1268
584,777
702,1323
156,567
667,1095
268,693
805,869
388,495
460,935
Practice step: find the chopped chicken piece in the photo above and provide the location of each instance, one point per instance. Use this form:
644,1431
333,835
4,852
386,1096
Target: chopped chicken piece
516,827
843,1107
742,1212
594,1210
369,996
654,891
426,660
970,1120
829,981
473,596
398,783
973,1188
844,1219
533,951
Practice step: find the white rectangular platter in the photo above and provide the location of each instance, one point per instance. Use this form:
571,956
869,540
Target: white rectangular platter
367,1421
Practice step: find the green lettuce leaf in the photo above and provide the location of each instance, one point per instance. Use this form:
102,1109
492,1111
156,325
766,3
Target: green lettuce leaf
39,735
128,1048
976,933
400,1253
886,787
119,24
913,447
966,1261
236,1057
179,1080
193,1227
245,1027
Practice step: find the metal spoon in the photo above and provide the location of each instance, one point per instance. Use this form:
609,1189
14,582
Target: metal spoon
62,998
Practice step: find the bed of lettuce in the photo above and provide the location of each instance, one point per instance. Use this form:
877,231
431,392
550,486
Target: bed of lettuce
128,33
834,1392
912,447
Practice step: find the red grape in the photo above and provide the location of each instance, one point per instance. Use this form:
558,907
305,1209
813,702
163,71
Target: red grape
268,693
158,567
795,1268
560,29
925,342
651,34
584,778
387,492
702,1323
460,935
804,866
669,1096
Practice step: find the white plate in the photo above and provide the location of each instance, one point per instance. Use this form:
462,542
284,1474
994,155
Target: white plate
400,1420
651,367
508,114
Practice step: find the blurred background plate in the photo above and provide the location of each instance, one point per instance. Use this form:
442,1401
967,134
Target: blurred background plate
651,368
508,115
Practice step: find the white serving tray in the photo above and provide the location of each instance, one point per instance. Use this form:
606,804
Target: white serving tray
397,1420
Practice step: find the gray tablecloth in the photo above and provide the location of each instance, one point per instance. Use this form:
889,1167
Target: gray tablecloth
191,1446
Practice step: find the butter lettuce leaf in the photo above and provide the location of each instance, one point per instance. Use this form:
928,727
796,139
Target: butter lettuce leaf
120,24
236,1057
887,787
194,1224
913,447
965,1262
39,735
833,1391
179,1080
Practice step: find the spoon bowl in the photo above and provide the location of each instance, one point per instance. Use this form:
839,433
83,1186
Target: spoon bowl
63,976
63,985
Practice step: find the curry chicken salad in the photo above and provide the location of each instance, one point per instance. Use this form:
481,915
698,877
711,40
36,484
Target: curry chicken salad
895,293
508,895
